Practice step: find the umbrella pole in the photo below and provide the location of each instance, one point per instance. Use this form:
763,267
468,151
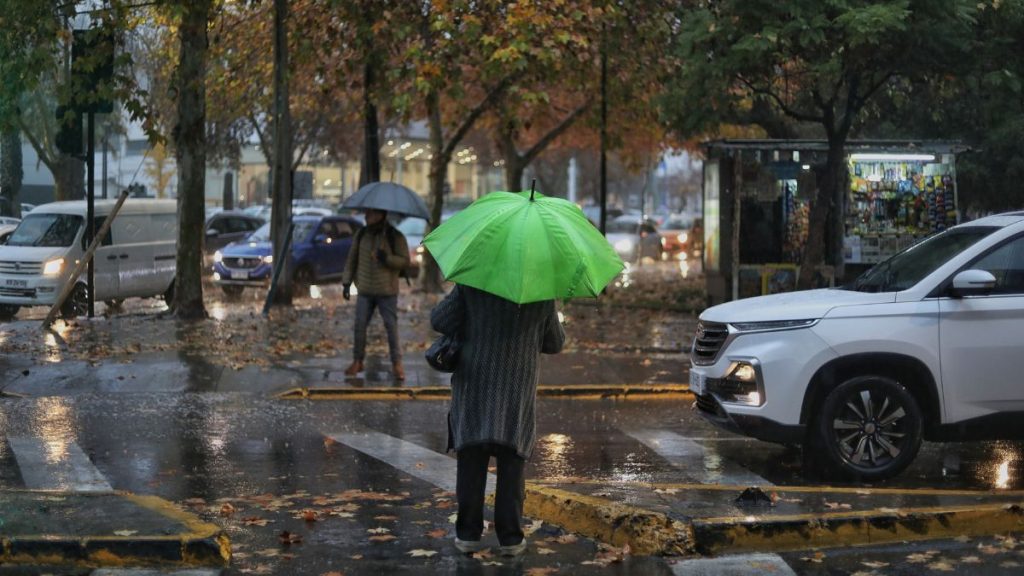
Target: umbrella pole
533,188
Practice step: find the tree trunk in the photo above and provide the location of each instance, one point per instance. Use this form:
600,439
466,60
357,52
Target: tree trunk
190,150
514,168
432,281
823,209
11,173
68,179
370,168
281,217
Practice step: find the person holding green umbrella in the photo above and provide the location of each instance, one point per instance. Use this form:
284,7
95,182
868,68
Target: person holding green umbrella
511,256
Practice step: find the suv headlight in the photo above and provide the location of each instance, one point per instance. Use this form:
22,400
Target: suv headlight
217,256
773,325
742,383
53,267
268,259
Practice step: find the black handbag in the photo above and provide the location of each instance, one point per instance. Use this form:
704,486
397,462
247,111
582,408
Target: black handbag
443,354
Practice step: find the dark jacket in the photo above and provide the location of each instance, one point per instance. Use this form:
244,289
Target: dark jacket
372,277
494,386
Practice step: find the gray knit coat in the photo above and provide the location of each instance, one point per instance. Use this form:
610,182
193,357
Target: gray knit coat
494,386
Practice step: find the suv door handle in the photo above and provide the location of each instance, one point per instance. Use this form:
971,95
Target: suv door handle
124,256
112,257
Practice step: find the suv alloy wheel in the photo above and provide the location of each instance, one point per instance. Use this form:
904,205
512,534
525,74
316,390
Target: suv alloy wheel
869,427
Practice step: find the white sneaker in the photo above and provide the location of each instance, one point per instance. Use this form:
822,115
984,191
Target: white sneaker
513,549
468,546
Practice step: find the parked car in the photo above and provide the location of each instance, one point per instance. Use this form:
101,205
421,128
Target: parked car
320,246
223,228
922,346
675,237
136,258
5,232
8,220
634,238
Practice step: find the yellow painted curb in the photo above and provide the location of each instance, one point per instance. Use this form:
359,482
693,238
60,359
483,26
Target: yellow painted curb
585,391
201,544
830,530
644,531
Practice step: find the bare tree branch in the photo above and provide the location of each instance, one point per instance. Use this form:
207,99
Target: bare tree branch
475,113
555,132
796,114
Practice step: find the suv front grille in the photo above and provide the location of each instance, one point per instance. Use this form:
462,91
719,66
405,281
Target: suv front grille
233,262
12,267
707,403
708,342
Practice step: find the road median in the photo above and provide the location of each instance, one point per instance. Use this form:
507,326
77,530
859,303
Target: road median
105,530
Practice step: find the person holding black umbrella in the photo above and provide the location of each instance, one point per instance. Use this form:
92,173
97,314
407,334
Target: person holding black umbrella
378,255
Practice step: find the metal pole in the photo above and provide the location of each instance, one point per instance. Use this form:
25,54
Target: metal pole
90,226
604,137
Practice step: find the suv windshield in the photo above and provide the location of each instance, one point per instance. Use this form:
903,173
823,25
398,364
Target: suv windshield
909,267
299,233
50,230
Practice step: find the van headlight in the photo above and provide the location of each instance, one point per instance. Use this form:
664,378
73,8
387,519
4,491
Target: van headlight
53,267
217,256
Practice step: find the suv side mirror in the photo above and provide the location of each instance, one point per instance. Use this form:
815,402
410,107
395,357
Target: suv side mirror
973,283
211,232
320,239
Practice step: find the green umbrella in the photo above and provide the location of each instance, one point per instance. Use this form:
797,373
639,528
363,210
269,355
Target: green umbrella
524,248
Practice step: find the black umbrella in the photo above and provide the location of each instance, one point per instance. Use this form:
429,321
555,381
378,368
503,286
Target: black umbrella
390,197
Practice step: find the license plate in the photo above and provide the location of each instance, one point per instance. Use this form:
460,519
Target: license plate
240,274
18,283
697,381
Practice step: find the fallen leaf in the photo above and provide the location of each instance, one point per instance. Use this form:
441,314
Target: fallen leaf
227,509
666,490
491,563
385,518
438,533
542,571
421,553
255,521
195,502
871,564
452,517
1009,564
484,554
837,506
356,557
287,538
941,566
383,538
378,530
970,560
533,527
987,549
125,532
544,551
919,558
817,558
566,539
333,573
268,552
309,515
963,538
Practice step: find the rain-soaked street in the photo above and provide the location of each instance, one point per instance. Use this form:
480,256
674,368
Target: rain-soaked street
200,416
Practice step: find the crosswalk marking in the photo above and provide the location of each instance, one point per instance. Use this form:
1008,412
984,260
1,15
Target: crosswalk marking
410,458
744,565
704,462
56,465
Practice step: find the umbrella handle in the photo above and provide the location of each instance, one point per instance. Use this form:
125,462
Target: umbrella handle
533,188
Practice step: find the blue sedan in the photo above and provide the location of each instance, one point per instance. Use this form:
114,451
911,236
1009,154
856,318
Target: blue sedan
320,246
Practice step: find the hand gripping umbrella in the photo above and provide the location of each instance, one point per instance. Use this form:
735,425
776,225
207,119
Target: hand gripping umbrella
524,247
390,197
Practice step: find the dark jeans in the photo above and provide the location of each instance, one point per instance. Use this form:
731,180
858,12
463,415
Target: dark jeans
388,306
508,502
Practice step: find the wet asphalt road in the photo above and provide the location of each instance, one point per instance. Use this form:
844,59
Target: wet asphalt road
239,457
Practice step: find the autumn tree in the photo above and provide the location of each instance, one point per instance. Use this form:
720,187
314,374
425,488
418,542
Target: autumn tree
189,136
816,62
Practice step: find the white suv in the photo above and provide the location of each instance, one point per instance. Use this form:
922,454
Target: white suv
927,344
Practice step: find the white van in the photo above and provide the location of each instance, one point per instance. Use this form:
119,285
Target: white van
136,258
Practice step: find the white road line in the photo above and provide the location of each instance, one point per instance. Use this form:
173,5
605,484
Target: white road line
703,462
56,465
410,458
745,565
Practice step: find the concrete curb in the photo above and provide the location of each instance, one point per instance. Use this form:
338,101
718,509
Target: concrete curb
830,530
584,391
200,544
649,532
644,531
